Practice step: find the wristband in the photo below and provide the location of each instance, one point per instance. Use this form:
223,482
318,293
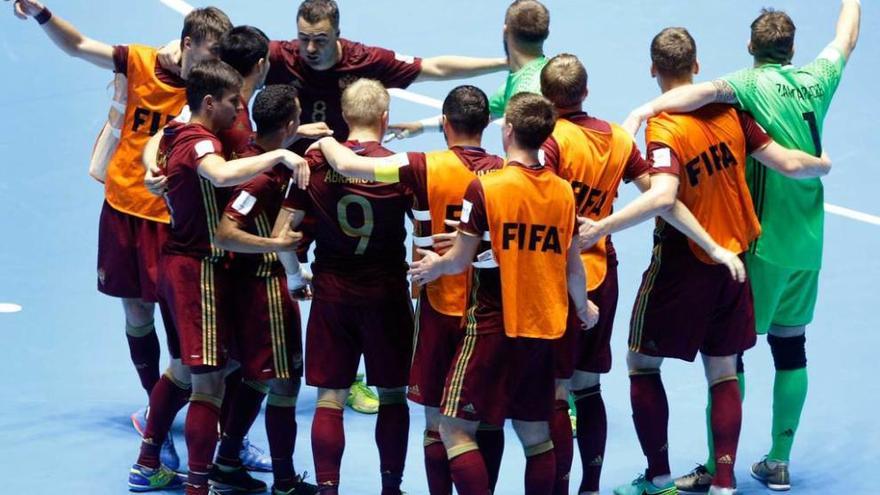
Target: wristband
432,124
296,281
44,16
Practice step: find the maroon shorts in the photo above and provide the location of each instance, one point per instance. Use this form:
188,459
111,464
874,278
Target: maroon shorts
684,306
494,377
590,351
268,331
437,338
338,334
197,294
128,254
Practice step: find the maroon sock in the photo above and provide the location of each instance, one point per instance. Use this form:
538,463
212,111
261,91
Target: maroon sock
281,430
726,423
592,427
201,440
651,418
144,353
541,472
437,465
242,414
392,435
491,443
165,400
469,473
563,445
231,386
328,443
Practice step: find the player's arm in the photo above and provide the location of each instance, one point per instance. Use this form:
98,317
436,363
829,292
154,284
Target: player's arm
576,278
433,266
457,67
847,33
682,99
230,236
656,201
224,173
154,180
65,36
793,163
350,164
298,276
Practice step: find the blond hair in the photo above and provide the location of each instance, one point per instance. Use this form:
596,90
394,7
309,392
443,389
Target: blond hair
364,102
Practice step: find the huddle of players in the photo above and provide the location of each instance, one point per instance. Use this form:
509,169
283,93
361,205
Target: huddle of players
503,303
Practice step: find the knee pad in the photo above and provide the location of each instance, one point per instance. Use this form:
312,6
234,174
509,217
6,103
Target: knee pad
277,400
789,353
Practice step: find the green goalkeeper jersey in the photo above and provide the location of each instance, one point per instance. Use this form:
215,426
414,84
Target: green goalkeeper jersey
791,104
527,79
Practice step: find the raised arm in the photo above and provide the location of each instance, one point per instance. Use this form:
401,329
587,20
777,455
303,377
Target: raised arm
847,33
232,173
793,163
456,67
681,100
65,36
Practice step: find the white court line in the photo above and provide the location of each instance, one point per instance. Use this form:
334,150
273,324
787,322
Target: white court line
9,308
184,8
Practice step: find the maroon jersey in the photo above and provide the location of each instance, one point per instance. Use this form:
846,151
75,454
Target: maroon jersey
120,66
192,200
236,139
254,207
320,92
360,255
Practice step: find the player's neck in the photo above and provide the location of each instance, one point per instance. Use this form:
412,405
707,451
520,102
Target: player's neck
519,56
670,83
248,88
562,111
365,134
453,140
204,121
274,141
526,156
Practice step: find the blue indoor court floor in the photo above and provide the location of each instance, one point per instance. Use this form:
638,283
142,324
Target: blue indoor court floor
67,386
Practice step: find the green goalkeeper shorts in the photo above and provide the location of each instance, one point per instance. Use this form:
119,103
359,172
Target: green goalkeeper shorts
783,296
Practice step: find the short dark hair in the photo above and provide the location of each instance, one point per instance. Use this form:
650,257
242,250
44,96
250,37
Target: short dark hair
274,107
315,11
213,78
206,23
242,47
532,117
674,52
528,21
773,37
467,110
564,80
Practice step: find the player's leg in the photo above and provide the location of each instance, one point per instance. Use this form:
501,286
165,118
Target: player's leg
202,423
392,434
281,430
436,462
143,343
592,426
560,433
465,462
490,439
328,438
540,458
726,417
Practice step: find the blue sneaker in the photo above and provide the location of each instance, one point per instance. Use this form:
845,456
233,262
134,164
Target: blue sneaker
144,479
254,458
641,486
168,455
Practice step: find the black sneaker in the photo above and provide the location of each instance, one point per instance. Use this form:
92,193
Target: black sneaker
237,480
697,481
772,474
300,487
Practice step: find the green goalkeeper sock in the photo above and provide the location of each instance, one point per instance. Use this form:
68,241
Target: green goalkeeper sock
710,462
789,395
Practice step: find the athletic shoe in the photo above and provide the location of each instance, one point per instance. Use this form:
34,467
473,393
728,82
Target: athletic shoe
641,486
574,422
361,398
300,487
254,458
773,474
237,480
697,481
144,479
168,454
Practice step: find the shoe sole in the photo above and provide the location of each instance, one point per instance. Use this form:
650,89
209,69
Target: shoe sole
773,486
224,488
140,489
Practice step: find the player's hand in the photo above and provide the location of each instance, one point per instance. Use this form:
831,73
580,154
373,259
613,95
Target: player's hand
26,8
403,130
443,242
287,239
729,259
299,285
426,269
635,118
590,232
315,130
299,166
589,315
169,57
155,181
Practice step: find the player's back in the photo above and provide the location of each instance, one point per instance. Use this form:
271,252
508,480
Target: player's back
360,232
710,147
